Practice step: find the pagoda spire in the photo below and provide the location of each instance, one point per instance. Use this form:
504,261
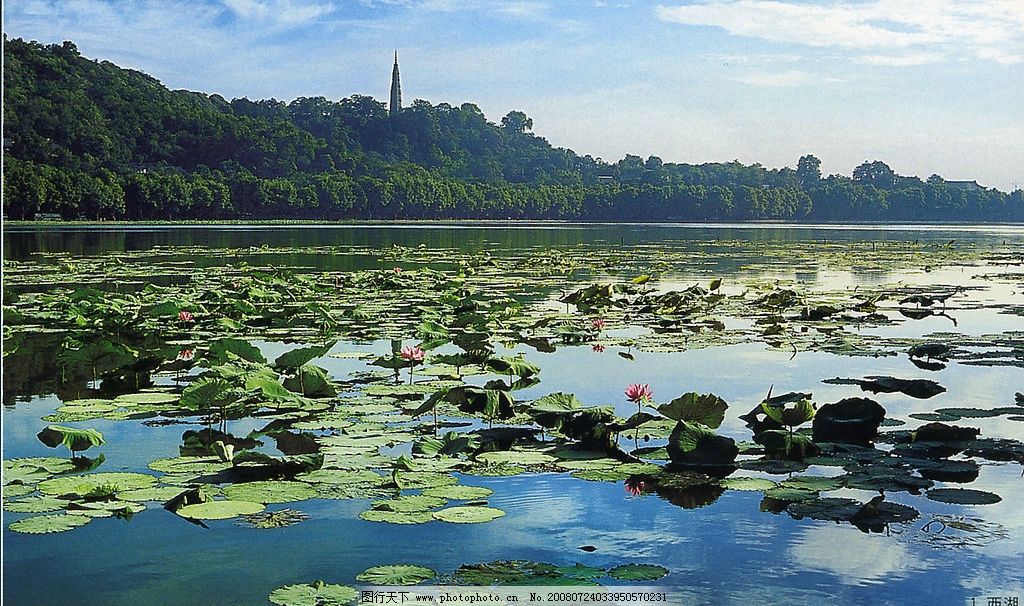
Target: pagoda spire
396,89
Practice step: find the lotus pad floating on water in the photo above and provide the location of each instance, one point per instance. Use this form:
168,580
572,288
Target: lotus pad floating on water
396,574
82,485
396,517
271,491
415,502
745,483
515,457
317,593
192,465
505,572
157,493
458,492
13,491
45,524
963,496
468,515
219,510
39,504
637,572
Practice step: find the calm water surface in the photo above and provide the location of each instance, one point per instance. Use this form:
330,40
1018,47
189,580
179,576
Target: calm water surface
725,552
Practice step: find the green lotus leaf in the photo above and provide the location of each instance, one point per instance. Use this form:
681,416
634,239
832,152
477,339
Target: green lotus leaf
601,475
74,439
194,465
963,496
396,517
816,483
270,491
40,504
505,572
396,574
219,510
339,476
311,381
13,491
495,470
580,572
637,572
515,457
227,350
746,483
791,494
209,393
314,594
568,454
146,397
468,514
706,409
638,468
45,524
53,465
588,464
105,509
157,493
556,403
517,366
450,444
416,502
773,466
82,485
299,357
425,479
351,491
458,492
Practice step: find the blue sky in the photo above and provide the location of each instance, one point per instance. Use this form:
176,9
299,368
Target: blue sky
929,86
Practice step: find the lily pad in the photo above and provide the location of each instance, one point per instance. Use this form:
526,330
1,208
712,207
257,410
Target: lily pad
601,475
746,483
13,491
396,517
458,492
638,572
515,457
468,515
40,504
314,594
783,493
46,524
157,493
408,503
963,496
396,574
219,510
82,485
271,491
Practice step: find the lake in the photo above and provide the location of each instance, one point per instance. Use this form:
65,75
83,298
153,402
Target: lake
94,318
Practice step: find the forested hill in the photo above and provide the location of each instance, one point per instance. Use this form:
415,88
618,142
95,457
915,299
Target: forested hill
87,139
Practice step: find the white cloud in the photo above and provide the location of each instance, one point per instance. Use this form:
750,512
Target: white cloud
908,60
984,29
793,77
289,12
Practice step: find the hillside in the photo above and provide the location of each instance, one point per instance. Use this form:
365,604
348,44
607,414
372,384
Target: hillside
88,139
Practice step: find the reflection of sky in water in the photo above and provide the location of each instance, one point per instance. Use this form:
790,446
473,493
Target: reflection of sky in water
728,552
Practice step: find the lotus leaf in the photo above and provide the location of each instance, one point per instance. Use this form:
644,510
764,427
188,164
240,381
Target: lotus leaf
745,483
468,514
458,492
783,493
396,574
425,479
40,504
157,493
396,517
580,572
228,350
219,510
515,457
416,502
299,357
314,594
146,397
963,496
817,483
45,524
706,409
13,491
271,491
74,439
505,572
82,485
193,465
637,572
601,475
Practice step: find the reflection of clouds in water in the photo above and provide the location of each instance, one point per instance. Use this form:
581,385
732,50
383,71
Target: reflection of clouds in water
856,558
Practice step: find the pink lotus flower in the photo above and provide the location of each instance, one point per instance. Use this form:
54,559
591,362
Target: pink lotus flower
186,316
398,270
598,348
635,487
412,354
186,354
639,392
597,324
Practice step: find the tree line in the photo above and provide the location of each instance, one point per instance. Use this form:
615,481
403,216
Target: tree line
86,139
